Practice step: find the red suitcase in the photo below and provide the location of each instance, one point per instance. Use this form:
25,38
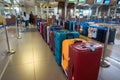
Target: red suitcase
41,27
84,61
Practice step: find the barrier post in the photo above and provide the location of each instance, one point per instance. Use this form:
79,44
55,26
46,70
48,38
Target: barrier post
10,51
105,63
17,27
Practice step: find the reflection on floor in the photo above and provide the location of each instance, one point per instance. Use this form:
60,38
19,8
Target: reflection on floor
34,60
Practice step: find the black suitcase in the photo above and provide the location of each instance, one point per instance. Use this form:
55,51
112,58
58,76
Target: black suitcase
101,35
112,35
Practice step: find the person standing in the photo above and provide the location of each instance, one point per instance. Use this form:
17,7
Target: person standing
25,19
31,18
57,18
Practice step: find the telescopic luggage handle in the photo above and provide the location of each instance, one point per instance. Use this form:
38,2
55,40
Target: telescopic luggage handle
78,41
68,35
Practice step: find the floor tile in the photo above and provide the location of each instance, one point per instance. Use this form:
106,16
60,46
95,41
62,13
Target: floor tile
21,72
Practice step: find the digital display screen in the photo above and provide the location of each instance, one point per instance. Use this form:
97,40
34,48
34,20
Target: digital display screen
71,0
99,1
106,1
7,1
82,1
118,1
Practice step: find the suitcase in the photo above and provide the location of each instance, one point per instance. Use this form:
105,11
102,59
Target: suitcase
101,35
52,32
52,41
69,25
92,32
84,28
41,27
65,51
38,24
59,37
84,61
55,28
45,31
112,36
48,33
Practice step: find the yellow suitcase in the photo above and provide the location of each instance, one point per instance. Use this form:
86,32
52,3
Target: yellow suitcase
65,51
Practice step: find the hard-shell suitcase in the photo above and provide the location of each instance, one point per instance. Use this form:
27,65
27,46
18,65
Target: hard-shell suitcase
52,32
48,33
38,24
70,25
52,41
65,51
112,35
55,27
101,34
45,31
59,37
84,61
41,27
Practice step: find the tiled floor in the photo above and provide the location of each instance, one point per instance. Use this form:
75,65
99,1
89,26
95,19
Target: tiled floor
34,60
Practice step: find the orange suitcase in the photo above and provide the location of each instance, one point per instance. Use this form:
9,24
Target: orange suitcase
65,51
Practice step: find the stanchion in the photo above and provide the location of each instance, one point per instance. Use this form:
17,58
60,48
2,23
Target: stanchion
104,63
58,22
73,26
18,33
7,41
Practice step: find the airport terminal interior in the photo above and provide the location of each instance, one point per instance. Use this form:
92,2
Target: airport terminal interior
59,39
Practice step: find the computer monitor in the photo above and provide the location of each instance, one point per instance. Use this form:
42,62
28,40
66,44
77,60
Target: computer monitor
99,2
7,1
118,2
71,0
106,1
82,1
90,1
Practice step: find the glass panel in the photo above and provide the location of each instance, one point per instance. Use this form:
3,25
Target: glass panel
7,1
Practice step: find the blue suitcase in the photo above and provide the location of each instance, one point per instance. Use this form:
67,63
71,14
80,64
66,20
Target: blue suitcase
84,27
69,25
55,28
59,37
51,37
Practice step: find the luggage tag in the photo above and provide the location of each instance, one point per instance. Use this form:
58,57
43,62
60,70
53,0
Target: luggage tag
91,47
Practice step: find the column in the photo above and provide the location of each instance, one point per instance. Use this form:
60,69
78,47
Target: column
108,13
36,10
65,11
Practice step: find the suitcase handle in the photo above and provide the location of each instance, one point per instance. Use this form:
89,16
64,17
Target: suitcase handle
69,34
92,48
76,41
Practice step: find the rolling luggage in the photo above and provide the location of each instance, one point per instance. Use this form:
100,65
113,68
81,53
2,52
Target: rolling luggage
45,36
59,37
38,24
101,35
112,36
65,51
48,33
55,28
52,41
84,61
70,25
51,37
41,27
84,28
